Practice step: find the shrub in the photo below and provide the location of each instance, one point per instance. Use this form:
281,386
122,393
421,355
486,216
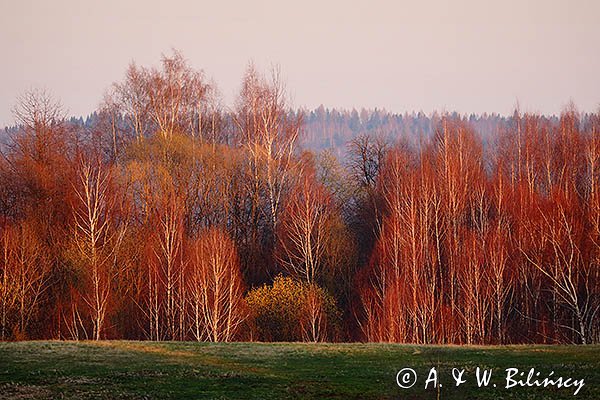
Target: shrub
290,310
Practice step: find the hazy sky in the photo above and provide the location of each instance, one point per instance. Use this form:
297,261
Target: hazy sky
467,55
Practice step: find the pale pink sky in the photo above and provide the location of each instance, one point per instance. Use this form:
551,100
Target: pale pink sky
466,55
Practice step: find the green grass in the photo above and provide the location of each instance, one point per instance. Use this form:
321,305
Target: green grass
141,370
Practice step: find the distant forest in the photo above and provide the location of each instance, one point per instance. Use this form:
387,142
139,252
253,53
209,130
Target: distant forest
166,216
333,129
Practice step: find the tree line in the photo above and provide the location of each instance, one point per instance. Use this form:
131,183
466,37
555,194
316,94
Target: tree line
172,217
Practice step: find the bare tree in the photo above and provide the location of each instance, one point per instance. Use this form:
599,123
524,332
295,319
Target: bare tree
303,237
216,287
25,273
565,269
97,239
269,132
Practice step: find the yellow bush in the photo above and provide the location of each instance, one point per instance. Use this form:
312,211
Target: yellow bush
289,310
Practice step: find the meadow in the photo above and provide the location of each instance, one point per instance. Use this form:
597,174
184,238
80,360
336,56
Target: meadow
163,370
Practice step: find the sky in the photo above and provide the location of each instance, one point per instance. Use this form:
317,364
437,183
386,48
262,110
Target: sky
470,56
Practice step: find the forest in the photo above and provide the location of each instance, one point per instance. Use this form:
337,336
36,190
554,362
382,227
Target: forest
168,216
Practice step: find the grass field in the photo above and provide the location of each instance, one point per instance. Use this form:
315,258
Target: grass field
139,370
